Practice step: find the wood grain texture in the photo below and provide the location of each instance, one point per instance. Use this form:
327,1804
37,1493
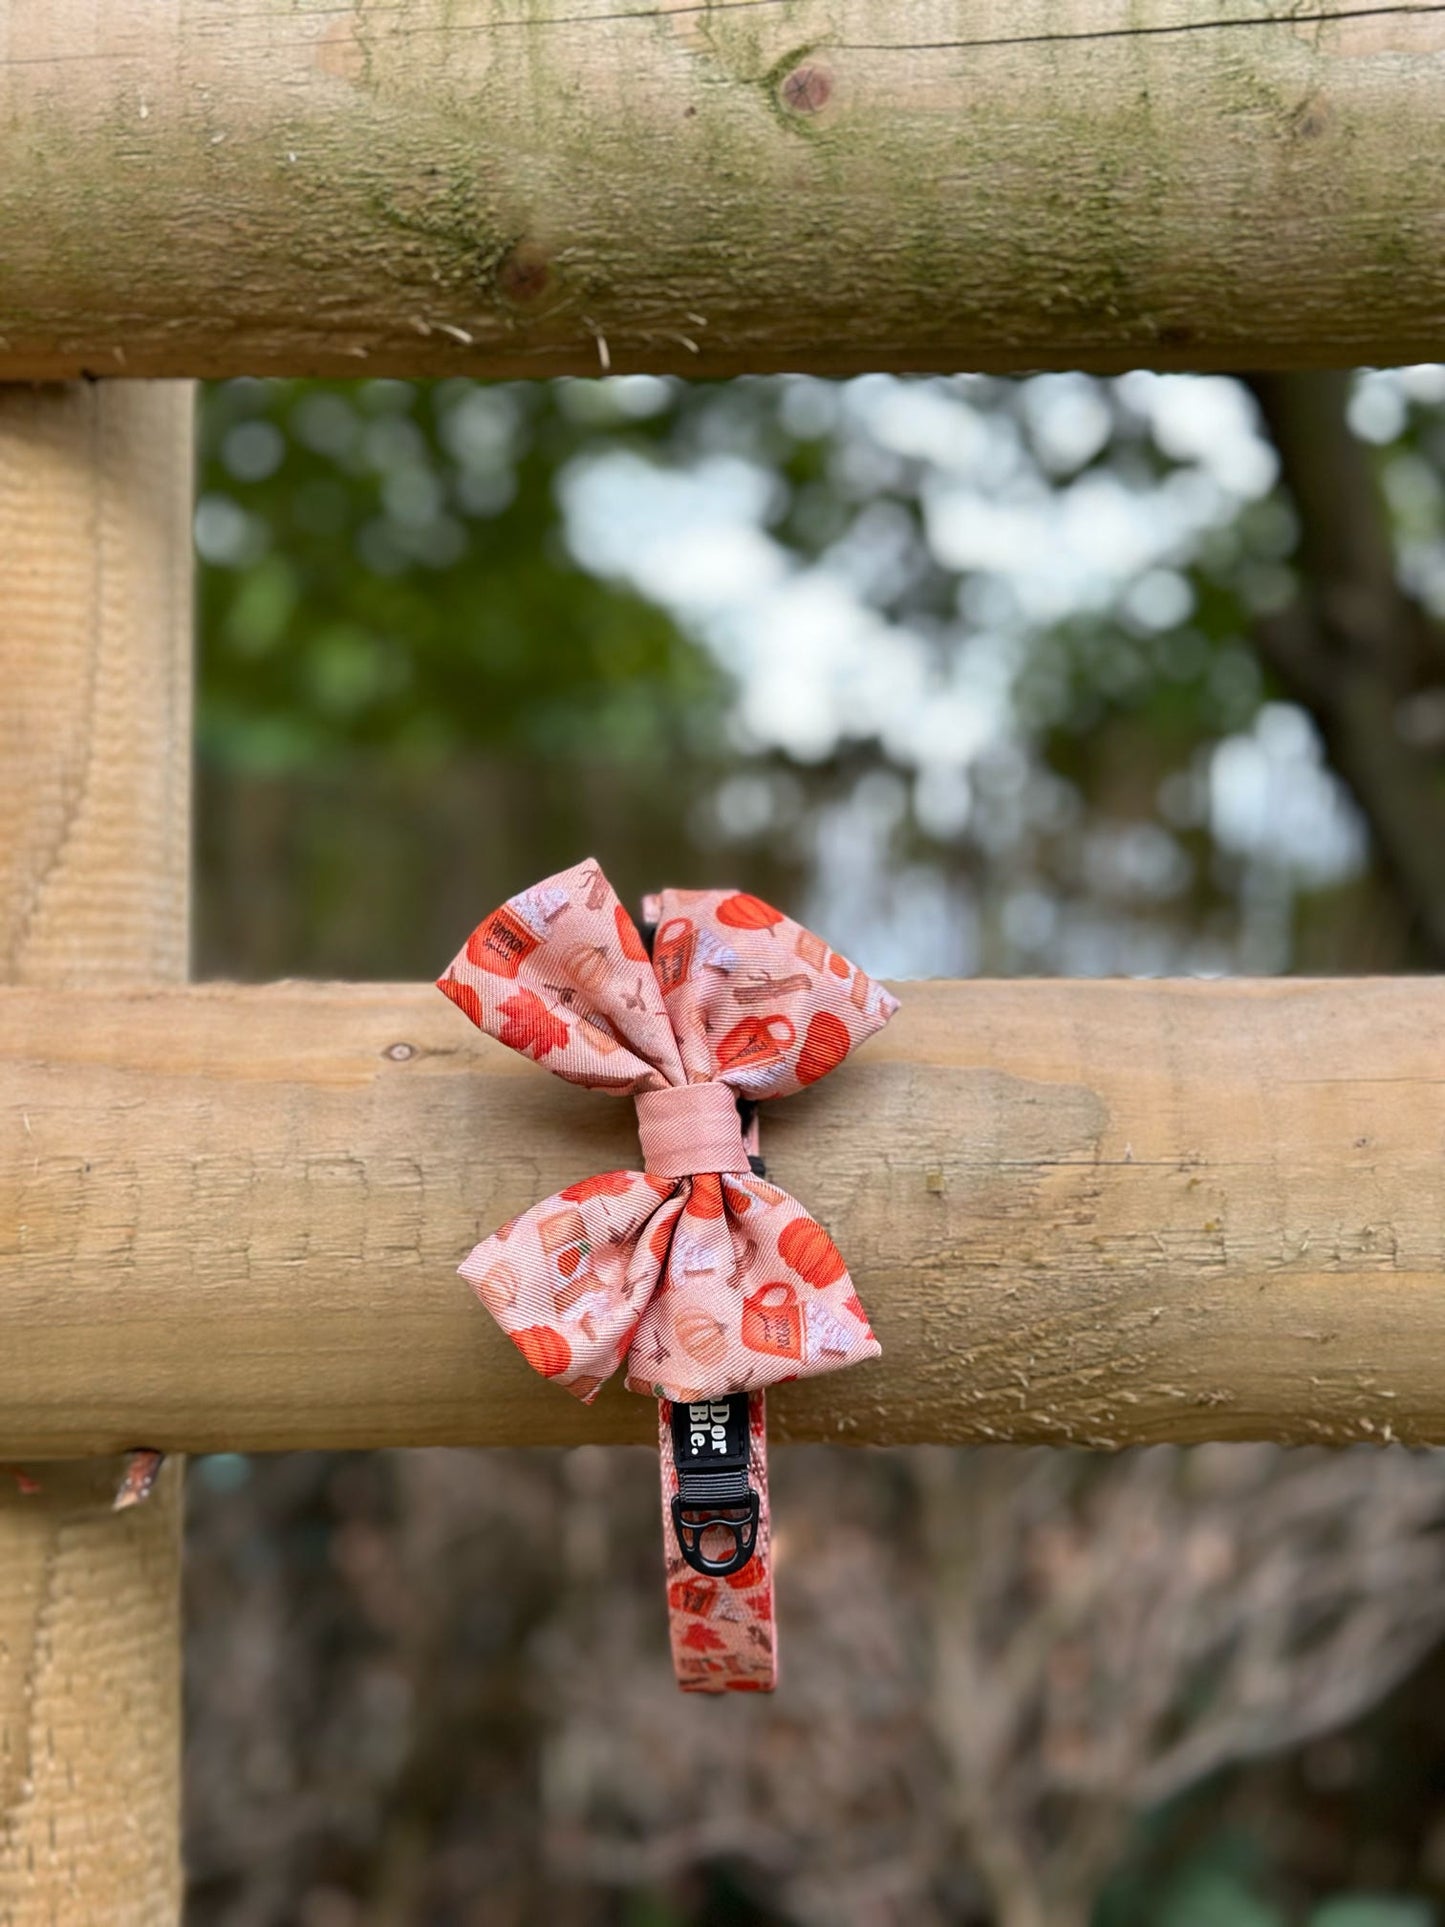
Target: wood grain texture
468,186
95,572
95,621
89,1701
1103,1213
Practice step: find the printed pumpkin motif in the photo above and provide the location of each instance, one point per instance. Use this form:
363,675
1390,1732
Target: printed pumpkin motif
806,1246
544,1349
743,912
586,964
698,1283
824,1047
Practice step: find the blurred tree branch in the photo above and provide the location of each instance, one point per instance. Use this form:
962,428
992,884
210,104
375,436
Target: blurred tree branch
1354,648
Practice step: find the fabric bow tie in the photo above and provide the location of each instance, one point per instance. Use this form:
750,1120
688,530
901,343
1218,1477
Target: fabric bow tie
703,1276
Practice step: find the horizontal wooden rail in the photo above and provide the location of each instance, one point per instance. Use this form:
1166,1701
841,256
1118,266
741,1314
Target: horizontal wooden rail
433,186
1096,1212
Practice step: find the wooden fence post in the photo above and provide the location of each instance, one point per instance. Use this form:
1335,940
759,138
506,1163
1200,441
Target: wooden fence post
95,639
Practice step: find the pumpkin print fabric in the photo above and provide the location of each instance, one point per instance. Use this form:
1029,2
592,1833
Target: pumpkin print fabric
706,1283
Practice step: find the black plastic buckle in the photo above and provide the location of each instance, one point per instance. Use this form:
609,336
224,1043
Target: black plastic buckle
710,1450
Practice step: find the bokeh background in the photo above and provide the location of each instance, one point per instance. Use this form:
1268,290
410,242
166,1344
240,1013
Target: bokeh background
1056,675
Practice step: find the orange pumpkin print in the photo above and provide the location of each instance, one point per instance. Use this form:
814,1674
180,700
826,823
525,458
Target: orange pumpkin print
586,964
706,1200
743,912
806,1246
633,948
700,1335
839,966
824,1047
611,1184
544,1349
464,997
529,1027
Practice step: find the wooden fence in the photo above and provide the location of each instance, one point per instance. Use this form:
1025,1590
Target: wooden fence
1096,1213
1092,1213
717,186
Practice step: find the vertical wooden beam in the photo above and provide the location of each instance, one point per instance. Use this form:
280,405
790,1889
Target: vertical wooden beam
95,650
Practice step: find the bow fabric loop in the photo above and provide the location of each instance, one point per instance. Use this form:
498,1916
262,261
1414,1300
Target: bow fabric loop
703,1277
692,1129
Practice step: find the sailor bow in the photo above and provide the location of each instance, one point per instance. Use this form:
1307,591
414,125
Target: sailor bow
703,1276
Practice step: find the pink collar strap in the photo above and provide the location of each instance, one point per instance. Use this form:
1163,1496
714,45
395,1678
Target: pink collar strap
706,1281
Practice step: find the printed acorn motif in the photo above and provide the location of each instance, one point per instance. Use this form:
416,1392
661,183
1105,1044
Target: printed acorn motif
806,1246
544,1349
824,1047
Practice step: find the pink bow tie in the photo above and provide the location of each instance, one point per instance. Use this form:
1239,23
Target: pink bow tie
703,1276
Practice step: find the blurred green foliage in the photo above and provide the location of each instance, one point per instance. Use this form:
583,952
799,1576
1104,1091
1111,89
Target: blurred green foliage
403,632
416,695
385,573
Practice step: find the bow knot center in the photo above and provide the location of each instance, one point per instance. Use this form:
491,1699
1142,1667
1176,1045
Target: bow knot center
688,1129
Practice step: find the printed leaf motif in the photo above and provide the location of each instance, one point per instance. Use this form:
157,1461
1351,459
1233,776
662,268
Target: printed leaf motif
464,997
703,1282
529,1027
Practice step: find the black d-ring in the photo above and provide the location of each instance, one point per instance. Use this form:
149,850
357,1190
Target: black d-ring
690,1523
710,1452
